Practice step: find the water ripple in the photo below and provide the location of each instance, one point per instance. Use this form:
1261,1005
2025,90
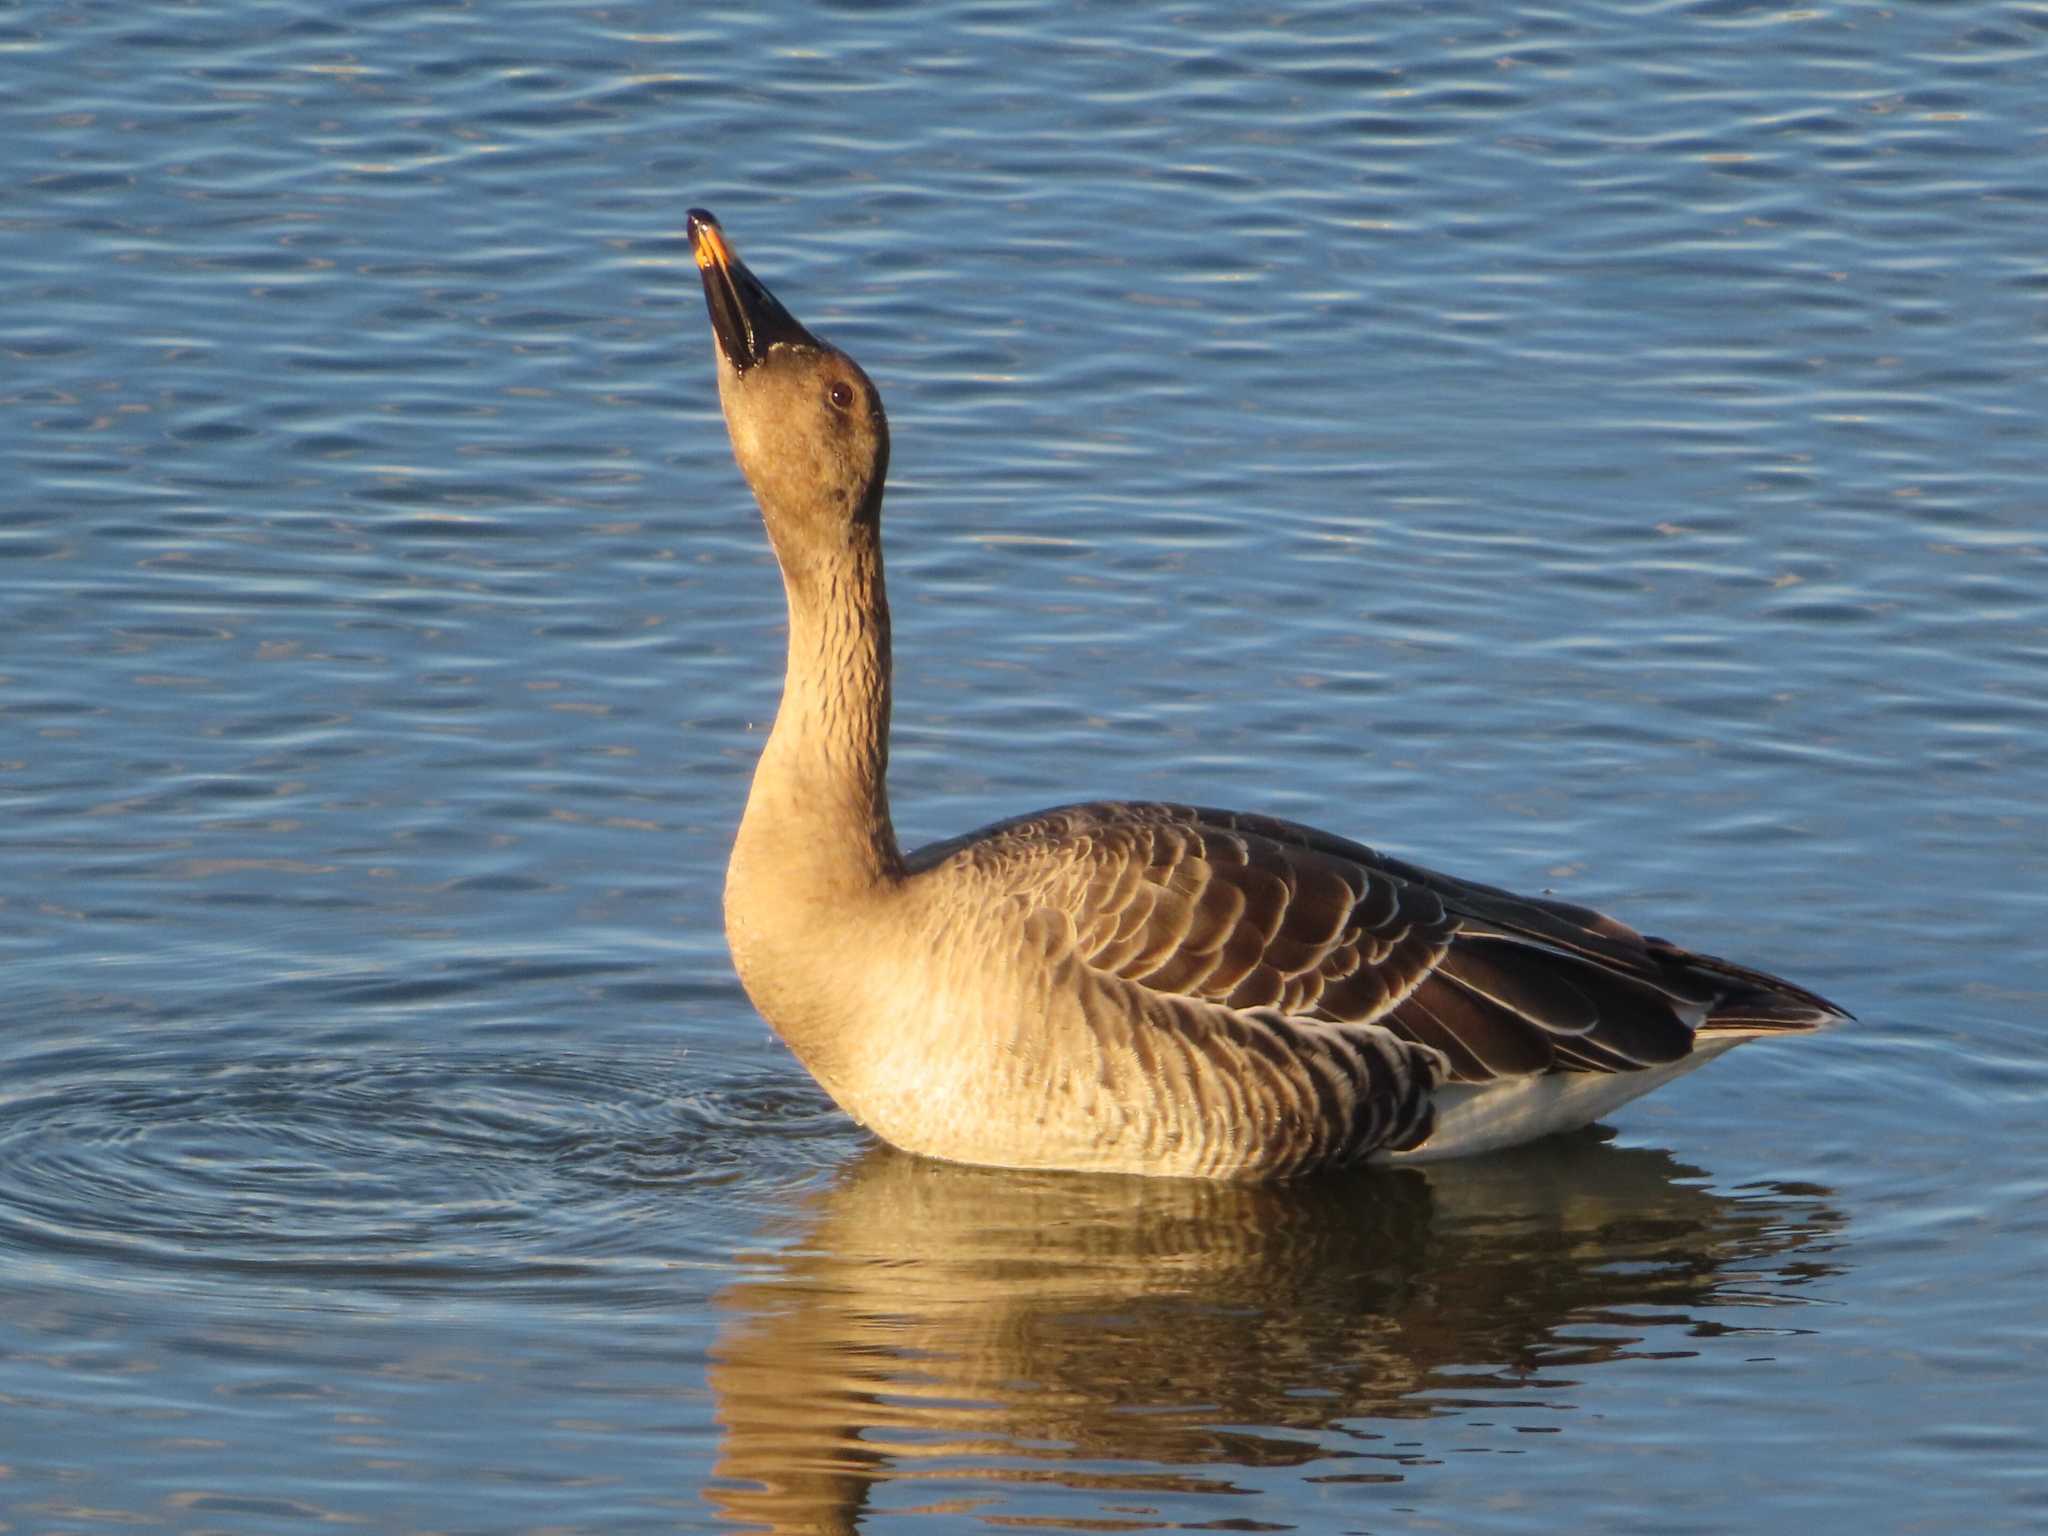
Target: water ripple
404,1173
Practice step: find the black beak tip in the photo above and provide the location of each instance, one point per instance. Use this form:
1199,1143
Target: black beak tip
701,218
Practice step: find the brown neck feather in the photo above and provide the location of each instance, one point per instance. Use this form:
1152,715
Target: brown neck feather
820,801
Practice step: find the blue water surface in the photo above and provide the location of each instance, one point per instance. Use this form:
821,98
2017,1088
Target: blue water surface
1595,449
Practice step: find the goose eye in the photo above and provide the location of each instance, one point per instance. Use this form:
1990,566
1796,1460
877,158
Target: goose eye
841,396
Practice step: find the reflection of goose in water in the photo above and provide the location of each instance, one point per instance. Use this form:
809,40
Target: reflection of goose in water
1144,988
1138,1334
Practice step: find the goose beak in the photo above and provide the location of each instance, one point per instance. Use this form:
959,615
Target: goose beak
746,318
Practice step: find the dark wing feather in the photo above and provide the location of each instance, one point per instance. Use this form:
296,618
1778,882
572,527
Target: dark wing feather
1255,913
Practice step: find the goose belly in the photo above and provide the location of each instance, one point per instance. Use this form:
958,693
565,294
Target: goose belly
1487,1117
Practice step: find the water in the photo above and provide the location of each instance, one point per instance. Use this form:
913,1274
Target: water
1589,450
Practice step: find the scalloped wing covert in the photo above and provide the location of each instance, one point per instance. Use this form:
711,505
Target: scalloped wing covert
1259,914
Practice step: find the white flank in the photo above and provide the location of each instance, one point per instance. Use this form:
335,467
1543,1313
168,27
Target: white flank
1486,1117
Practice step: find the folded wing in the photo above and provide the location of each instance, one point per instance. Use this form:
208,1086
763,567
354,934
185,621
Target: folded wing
1277,920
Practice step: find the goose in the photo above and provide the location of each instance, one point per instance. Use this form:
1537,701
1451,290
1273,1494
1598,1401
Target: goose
1132,987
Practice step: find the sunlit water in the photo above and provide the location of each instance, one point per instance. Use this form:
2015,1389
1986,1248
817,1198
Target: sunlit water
1589,450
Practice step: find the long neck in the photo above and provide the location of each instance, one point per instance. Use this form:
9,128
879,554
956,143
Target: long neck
819,808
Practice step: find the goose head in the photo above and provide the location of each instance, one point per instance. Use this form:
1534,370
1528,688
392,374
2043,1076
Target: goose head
806,423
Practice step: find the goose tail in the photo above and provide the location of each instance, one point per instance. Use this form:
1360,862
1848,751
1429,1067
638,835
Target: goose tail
1758,1003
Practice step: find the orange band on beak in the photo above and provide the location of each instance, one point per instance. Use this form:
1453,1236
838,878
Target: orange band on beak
709,247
